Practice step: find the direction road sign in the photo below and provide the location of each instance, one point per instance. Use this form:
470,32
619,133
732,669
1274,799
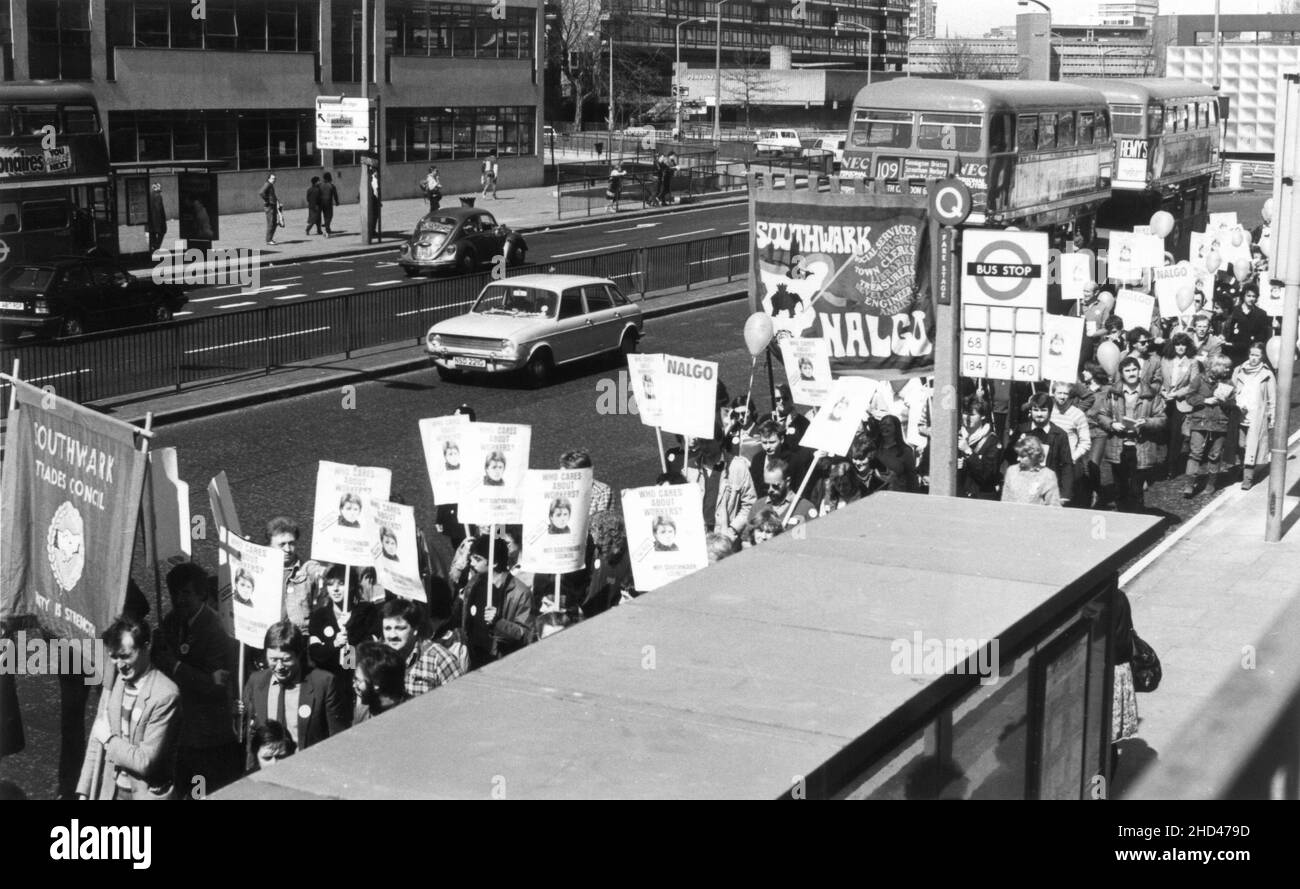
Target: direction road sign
342,124
1003,268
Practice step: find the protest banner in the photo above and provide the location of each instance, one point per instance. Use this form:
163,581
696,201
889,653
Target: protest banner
808,368
1271,298
340,518
645,374
665,533
443,453
70,491
1062,339
843,268
836,423
1076,272
1135,308
496,458
394,551
1132,254
257,587
1168,282
689,396
223,516
171,506
556,506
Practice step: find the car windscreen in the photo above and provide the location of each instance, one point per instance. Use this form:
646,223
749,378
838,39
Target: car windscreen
435,225
28,279
505,299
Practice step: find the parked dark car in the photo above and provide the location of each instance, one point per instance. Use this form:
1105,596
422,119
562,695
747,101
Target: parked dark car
462,239
68,297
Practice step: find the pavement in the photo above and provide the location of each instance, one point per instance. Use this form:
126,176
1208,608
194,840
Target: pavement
522,209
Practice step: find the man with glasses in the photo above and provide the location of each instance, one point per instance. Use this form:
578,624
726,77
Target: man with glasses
794,422
304,700
1139,346
132,749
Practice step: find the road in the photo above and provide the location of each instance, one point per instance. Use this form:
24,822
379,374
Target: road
319,278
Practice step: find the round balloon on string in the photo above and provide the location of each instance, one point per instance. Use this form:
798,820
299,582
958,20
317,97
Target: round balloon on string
1108,357
1162,223
1186,297
1212,261
1238,238
758,333
1267,211
1273,349
1241,269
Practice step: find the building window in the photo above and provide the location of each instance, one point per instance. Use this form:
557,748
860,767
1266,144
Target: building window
424,28
276,25
248,140
424,134
6,43
58,34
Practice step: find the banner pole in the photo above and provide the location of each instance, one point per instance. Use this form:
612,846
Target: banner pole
663,460
492,543
749,393
802,485
151,517
559,600
13,390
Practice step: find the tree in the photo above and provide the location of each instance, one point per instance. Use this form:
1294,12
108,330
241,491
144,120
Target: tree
573,44
960,61
748,82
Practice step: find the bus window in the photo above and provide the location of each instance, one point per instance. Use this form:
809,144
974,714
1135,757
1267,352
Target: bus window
1214,113
1027,132
1101,129
1085,127
1065,130
1185,111
1155,120
6,121
1000,127
1047,130
882,129
79,120
1127,119
949,132
8,216
29,120
1171,118
43,215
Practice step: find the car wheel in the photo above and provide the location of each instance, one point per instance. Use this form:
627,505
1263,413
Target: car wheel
162,312
72,326
626,346
467,265
519,256
412,271
9,337
447,374
538,369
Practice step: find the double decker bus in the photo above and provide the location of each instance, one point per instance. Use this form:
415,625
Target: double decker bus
56,185
1167,143
1033,153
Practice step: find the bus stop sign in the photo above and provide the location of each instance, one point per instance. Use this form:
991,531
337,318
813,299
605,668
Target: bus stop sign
949,201
1004,268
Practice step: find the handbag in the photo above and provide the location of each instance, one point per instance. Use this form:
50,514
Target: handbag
1145,666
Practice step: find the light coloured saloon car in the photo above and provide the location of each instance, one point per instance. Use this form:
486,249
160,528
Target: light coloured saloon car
533,323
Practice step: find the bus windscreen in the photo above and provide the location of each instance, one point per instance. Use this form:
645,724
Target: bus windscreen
882,129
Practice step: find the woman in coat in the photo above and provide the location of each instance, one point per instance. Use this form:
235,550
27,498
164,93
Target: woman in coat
1177,369
1255,390
979,453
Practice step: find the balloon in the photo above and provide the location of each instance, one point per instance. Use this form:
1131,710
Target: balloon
1108,357
1106,299
1213,261
1266,246
758,332
1238,237
1273,349
1186,297
1162,223
1267,211
1241,269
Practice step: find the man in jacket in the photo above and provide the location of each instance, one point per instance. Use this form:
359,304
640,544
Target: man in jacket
1135,418
503,622
157,218
429,663
1248,324
329,199
726,484
1057,454
132,749
271,206
1139,346
193,649
771,439
302,699
300,578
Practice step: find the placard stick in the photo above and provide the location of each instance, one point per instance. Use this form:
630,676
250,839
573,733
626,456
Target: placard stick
150,518
749,393
492,542
663,460
559,597
13,390
795,502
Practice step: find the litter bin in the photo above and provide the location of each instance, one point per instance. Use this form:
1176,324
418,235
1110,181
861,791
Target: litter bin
598,147
467,201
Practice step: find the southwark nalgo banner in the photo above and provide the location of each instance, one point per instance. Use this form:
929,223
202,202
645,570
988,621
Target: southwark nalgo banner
844,268
69,500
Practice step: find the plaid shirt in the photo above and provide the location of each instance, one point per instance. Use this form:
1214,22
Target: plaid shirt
430,664
602,497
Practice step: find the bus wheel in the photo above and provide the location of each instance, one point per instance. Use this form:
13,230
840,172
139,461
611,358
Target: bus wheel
72,326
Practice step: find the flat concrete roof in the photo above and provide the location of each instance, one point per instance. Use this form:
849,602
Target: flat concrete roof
764,668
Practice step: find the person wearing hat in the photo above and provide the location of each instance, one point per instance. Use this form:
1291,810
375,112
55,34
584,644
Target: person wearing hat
500,623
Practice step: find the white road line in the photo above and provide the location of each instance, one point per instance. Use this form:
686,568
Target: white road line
238,305
260,339
208,299
339,272
433,309
592,250
686,234
334,290
1186,527
290,278
385,265
179,314
385,283
739,231
290,296
336,259
633,228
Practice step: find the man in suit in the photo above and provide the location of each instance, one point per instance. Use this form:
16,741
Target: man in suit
194,649
132,749
302,699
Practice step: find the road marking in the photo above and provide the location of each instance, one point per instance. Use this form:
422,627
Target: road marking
592,250
385,265
339,272
290,296
384,283
433,309
260,339
633,228
686,234
739,231
179,314
1186,527
336,259
290,278
208,299
334,290
238,305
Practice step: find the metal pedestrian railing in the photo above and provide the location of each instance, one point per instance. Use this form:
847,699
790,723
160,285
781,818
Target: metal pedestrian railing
211,349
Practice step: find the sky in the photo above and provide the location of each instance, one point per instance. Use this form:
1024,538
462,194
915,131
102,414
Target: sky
972,18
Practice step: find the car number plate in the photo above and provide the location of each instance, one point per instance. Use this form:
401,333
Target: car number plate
470,362
11,307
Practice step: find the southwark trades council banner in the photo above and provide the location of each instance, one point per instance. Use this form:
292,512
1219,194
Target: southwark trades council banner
844,268
556,506
340,518
69,501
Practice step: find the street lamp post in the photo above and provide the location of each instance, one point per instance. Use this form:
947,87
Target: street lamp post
717,79
871,41
677,73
